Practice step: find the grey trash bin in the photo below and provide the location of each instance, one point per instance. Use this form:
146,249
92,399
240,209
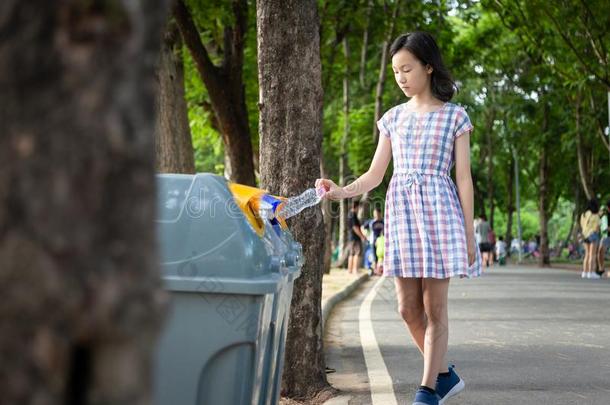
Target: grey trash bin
229,288
274,353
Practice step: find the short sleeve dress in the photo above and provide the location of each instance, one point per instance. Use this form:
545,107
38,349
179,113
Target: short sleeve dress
424,228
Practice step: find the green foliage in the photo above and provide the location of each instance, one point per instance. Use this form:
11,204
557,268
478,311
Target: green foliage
211,18
510,58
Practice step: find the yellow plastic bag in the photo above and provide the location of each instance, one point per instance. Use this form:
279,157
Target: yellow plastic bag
248,199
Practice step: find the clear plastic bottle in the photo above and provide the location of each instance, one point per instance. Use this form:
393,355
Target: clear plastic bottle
294,205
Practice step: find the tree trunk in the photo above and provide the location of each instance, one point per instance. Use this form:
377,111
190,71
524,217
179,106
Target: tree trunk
343,204
81,296
328,224
385,54
573,234
173,144
290,143
365,45
581,154
544,259
479,199
490,166
600,124
490,178
510,206
225,87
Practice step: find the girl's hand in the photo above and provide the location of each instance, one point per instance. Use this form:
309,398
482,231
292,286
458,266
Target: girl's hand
472,254
333,191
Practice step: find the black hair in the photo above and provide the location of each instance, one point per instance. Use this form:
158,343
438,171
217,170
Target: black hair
355,203
483,217
593,205
608,203
501,237
423,46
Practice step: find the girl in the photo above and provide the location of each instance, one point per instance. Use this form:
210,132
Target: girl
589,224
428,223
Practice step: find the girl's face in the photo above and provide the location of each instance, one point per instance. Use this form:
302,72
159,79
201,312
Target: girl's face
410,74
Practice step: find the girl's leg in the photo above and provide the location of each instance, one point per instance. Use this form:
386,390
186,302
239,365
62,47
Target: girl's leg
435,293
600,256
409,292
585,266
588,257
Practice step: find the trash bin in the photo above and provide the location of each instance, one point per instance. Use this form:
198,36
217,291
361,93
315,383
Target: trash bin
274,353
230,286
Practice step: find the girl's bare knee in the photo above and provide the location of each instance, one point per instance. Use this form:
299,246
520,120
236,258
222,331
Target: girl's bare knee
436,312
412,314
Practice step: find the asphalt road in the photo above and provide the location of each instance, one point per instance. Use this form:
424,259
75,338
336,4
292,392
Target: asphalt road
517,336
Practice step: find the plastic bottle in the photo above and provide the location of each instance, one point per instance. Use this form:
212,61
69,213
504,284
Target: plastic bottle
294,205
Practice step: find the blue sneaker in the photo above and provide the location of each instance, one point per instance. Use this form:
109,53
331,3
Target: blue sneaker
423,397
446,387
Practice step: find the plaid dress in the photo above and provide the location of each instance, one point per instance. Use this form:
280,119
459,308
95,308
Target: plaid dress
424,222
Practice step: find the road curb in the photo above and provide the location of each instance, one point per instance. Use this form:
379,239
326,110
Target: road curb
327,307
329,303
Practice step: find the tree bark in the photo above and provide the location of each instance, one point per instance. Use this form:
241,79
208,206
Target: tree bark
365,44
290,143
600,124
573,234
385,54
343,208
584,174
225,87
490,166
328,224
544,259
510,206
81,296
173,144
479,194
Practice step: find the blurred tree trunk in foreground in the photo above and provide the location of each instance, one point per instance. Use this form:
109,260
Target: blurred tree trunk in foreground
81,295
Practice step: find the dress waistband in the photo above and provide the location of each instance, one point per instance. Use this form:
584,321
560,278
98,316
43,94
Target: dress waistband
422,172
416,177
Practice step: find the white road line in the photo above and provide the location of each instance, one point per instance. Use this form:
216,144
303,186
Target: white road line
380,382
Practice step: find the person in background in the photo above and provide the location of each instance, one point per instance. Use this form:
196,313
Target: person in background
376,227
515,246
356,238
605,238
380,252
492,244
482,230
501,251
589,224
476,222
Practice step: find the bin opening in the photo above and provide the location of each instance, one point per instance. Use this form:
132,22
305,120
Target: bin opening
251,200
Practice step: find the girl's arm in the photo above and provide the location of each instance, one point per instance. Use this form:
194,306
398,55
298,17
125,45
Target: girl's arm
463,179
369,180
